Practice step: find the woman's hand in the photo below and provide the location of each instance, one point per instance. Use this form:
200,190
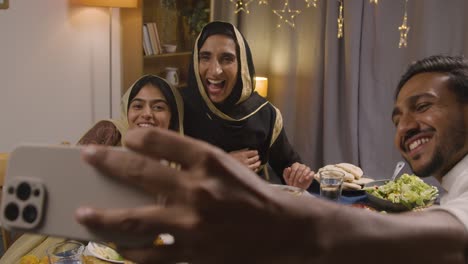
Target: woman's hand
298,175
250,158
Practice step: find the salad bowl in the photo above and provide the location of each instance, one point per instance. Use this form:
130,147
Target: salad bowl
407,193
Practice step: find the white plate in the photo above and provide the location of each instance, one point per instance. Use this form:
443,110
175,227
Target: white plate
102,252
291,189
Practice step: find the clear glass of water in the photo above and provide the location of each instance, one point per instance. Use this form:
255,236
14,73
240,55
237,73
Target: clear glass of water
331,183
67,252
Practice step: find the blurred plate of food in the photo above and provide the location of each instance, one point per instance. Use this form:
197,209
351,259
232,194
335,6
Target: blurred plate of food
406,193
104,252
292,190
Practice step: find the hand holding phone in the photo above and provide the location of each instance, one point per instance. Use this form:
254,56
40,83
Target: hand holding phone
45,184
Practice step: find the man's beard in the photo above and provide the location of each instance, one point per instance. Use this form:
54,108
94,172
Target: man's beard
437,161
440,161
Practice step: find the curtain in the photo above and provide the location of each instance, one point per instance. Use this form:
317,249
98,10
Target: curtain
336,95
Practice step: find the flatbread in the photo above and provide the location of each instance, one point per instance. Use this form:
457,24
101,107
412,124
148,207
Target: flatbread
363,181
348,177
351,186
354,170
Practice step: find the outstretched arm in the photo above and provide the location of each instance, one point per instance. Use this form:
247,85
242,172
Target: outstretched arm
219,210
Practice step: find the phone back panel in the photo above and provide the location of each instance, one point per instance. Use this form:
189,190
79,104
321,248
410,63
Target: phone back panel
67,182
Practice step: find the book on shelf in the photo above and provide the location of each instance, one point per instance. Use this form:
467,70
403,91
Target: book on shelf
147,47
152,37
158,41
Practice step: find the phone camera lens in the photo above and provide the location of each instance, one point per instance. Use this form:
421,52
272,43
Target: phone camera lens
29,213
11,211
24,191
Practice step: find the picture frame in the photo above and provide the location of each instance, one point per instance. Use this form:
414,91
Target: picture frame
4,4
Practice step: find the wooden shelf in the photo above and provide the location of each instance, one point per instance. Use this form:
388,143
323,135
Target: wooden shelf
172,28
165,55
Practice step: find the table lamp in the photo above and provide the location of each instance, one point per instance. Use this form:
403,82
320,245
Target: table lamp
110,4
261,86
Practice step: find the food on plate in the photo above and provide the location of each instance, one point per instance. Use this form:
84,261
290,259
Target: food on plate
290,189
102,251
363,206
363,181
408,190
352,169
348,177
293,191
353,175
351,186
32,259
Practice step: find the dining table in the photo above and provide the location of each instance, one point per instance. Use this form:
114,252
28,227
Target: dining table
30,247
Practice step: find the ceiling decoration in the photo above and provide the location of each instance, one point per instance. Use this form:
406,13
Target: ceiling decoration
287,15
404,29
242,5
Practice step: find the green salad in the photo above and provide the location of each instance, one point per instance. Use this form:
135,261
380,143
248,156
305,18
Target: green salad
408,190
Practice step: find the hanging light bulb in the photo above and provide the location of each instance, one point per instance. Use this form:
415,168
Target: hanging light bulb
340,20
404,29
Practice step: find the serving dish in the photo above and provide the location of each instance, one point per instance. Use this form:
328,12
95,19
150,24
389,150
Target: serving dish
387,205
349,192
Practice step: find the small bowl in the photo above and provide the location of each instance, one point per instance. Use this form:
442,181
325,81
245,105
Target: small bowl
169,48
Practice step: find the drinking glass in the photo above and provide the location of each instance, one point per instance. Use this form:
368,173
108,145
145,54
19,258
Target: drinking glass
67,252
331,183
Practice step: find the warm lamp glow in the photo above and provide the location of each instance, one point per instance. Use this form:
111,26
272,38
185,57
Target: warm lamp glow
261,86
3,165
110,3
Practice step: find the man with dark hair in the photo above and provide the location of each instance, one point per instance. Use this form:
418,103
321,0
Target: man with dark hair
219,213
431,120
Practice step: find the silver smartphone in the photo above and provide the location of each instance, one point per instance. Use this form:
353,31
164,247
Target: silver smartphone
44,185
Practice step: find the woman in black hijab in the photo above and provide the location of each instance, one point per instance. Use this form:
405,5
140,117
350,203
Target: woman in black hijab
222,108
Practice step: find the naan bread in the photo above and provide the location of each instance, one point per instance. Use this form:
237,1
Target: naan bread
354,170
351,186
353,179
363,181
348,177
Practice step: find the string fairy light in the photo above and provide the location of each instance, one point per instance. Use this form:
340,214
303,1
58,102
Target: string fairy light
340,20
287,14
404,29
242,5
310,3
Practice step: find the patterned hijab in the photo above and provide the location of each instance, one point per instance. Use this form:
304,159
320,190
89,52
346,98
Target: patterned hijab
243,101
172,95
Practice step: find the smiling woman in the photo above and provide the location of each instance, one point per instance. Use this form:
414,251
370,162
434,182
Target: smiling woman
150,102
223,108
